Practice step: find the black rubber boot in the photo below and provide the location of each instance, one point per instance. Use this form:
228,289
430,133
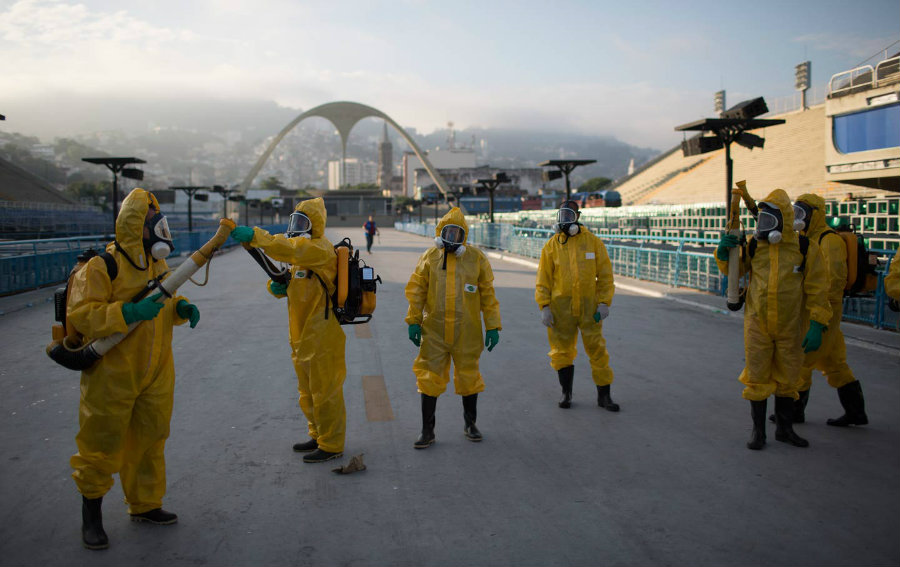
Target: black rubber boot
851,397
784,418
758,414
566,377
92,534
426,439
156,516
604,400
799,408
307,447
320,456
470,412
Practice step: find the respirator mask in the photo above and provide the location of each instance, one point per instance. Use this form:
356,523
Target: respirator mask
299,225
769,224
160,244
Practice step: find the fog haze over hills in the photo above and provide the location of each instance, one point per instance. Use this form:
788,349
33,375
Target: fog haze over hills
216,141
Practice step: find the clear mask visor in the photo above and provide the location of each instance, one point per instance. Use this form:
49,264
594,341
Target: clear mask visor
767,221
566,216
453,234
298,224
160,227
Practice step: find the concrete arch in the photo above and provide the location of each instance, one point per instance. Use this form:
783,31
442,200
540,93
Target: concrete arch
344,115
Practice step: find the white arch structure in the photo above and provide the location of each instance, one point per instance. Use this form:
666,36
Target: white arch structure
344,115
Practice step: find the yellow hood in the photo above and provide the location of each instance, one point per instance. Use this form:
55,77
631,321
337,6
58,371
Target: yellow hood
817,222
315,210
130,222
780,198
453,216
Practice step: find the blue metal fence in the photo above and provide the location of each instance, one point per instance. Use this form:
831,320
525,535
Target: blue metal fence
31,264
675,261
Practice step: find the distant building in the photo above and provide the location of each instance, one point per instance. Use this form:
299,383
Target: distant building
455,158
464,180
356,171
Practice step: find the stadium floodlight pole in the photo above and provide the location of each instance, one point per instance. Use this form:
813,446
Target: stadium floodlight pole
565,166
733,126
117,165
190,190
491,184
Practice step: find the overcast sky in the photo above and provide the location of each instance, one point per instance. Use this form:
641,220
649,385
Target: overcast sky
633,70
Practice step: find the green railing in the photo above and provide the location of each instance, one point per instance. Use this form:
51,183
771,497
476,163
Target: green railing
675,261
31,264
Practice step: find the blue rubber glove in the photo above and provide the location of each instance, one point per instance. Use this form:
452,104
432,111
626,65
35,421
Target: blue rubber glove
491,338
188,311
277,289
242,233
415,334
601,313
143,310
813,339
727,241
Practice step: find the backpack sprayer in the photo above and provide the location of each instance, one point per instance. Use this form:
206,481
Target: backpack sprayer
70,353
353,301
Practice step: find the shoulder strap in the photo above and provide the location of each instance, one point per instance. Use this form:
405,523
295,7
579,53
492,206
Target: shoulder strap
804,247
324,289
821,236
751,247
112,269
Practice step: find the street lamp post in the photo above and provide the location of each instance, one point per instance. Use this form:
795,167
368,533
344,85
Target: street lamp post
491,184
564,167
733,126
117,165
190,190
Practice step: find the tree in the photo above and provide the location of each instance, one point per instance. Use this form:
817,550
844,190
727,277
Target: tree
92,193
594,184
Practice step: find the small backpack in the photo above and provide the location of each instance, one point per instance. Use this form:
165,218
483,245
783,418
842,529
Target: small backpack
353,300
861,275
61,295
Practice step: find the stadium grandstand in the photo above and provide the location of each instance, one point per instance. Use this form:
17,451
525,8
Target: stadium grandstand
846,148
32,208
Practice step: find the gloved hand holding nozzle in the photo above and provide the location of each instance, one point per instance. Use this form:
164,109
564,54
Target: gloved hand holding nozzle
144,310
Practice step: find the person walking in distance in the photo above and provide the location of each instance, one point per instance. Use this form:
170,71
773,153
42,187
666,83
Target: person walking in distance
371,231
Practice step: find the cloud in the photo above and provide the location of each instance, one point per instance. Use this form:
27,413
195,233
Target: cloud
859,47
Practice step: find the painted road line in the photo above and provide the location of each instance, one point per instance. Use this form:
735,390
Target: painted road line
378,406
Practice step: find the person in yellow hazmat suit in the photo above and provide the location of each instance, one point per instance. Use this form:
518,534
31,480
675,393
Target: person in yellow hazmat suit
782,280
574,290
892,280
317,340
451,287
127,396
831,358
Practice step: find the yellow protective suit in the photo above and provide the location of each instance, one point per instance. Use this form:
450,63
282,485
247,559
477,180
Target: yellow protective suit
831,358
447,304
774,313
574,276
317,342
126,398
892,279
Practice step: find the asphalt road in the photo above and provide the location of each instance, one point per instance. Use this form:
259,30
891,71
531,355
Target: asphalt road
667,481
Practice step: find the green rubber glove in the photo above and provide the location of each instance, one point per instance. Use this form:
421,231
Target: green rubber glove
143,310
491,338
242,233
415,334
813,339
188,311
277,288
727,241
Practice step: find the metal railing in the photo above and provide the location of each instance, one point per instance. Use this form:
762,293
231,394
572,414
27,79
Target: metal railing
675,261
32,264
